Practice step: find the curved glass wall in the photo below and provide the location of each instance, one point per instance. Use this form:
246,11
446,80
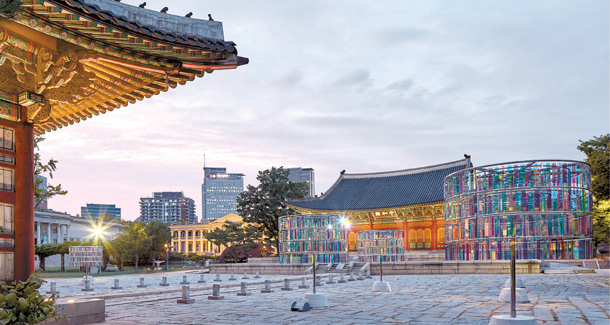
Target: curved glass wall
389,245
547,203
307,235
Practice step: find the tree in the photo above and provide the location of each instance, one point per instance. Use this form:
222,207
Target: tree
235,235
159,234
598,156
133,241
40,168
44,251
265,204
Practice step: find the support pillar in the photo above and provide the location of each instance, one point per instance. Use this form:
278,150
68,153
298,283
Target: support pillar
406,232
434,235
24,199
49,240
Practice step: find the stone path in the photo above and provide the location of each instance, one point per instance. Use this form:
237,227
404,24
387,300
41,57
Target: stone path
426,299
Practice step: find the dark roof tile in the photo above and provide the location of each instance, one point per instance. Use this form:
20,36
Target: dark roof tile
384,190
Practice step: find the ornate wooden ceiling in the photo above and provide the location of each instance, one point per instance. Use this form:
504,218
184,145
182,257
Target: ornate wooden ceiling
86,61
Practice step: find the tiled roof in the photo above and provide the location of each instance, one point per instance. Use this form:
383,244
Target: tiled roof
112,14
384,190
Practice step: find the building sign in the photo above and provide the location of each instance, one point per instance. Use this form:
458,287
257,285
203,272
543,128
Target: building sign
218,175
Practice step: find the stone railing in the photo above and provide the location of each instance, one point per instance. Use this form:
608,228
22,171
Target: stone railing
419,267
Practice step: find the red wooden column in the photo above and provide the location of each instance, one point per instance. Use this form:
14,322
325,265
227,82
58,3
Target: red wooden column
24,199
434,234
406,231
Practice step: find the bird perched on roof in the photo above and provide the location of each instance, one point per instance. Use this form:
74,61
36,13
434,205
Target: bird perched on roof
142,5
188,15
164,10
466,156
210,17
117,0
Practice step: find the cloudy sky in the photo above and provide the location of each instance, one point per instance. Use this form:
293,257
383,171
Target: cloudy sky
364,86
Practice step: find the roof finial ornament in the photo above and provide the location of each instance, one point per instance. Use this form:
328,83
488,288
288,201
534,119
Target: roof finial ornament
164,10
188,15
210,17
343,172
142,5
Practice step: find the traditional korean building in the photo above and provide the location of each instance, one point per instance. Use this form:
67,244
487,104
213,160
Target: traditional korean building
64,61
410,200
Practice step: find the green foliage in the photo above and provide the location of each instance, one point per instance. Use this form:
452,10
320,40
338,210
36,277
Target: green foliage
235,235
132,242
9,8
159,234
44,251
177,256
598,156
264,204
39,168
22,303
601,221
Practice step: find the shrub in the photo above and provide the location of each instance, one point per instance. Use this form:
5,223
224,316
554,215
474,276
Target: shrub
22,303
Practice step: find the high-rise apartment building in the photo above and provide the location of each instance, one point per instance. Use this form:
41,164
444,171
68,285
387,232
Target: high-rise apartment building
94,211
169,207
306,175
219,192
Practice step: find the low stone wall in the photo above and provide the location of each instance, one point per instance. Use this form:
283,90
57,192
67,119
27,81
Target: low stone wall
420,267
79,311
271,259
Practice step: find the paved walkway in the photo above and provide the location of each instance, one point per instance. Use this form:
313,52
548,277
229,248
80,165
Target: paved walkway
429,299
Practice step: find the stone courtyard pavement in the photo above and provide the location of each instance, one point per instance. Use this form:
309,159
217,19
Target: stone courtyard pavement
426,299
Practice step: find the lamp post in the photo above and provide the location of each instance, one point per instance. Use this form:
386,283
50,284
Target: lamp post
166,256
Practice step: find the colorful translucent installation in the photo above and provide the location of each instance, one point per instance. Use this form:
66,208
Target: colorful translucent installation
545,203
387,245
321,235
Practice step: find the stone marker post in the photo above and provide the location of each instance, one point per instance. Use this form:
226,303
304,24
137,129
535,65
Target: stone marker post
217,278
141,285
267,288
201,279
184,280
215,293
243,290
186,296
53,290
351,276
116,285
360,277
257,276
232,278
303,285
164,282
245,276
368,273
331,279
87,286
286,286
318,281
342,278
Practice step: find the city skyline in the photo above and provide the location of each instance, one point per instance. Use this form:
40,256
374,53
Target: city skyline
359,86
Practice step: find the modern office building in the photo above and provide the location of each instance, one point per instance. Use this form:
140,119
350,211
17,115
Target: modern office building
41,205
94,211
305,175
169,207
219,193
